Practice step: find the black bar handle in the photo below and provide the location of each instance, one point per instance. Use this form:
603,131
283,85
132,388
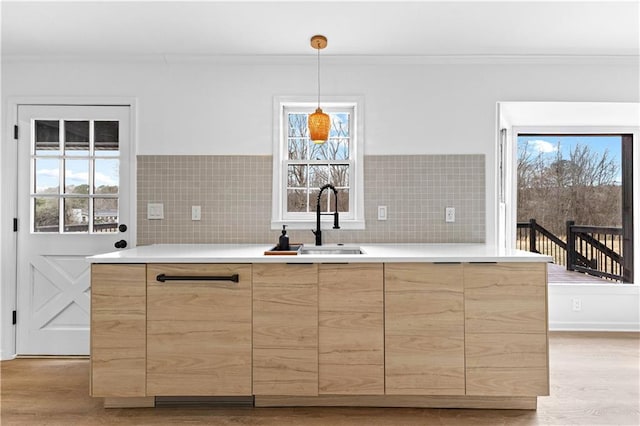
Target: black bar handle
162,278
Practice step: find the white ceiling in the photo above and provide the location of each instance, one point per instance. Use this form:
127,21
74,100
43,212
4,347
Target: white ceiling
378,28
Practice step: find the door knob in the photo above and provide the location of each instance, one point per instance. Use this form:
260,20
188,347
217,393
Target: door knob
120,244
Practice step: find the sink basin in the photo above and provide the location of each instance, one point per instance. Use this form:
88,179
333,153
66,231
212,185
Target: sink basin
331,250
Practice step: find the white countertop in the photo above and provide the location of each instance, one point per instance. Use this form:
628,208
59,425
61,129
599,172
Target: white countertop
254,253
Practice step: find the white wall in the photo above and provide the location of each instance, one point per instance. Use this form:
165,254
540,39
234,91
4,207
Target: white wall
222,108
225,106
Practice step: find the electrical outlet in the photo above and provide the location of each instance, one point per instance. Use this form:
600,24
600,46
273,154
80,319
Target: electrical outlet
450,214
155,211
576,304
195,212
382,212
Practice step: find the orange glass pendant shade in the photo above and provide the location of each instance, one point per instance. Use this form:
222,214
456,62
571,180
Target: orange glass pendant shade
319,126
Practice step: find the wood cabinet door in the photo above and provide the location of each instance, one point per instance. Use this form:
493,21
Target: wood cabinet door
285,329
424,329
506,329
199,332
351,329
118,340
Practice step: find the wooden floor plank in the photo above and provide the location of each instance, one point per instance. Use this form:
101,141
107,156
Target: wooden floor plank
595,380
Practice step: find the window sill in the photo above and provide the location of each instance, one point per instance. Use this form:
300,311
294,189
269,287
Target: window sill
311,224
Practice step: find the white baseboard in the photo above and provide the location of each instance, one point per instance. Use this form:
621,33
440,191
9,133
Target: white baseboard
594,326
4,356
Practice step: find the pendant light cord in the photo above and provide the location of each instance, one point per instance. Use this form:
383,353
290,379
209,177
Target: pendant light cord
318,74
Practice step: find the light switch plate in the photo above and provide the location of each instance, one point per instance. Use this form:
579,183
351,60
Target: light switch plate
155,211
382,212
450,214
195,212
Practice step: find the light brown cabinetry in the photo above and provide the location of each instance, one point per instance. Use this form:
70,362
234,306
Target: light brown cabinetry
424,329
199,331
393,334
285,329
118,344
506,329
351,329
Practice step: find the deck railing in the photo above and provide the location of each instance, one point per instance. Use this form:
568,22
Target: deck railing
601,247
592,250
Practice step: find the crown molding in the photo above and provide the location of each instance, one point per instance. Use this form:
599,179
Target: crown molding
332,60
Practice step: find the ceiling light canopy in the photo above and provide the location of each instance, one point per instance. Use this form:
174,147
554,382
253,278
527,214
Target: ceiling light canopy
319,122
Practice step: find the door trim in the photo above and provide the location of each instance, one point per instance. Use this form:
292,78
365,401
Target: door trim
9,195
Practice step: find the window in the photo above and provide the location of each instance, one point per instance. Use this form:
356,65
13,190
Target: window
302,167
75,176
585,179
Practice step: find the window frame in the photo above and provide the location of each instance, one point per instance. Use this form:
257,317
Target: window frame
296,220
62,195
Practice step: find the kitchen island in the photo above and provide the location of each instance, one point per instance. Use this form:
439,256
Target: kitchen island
415,325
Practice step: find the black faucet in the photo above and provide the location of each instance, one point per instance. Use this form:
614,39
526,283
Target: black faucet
318,232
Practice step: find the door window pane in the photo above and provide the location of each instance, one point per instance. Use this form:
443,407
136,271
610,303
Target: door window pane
105,215
76,215
47,137
76,177
46,214
76,138
47,176
106,138
106,176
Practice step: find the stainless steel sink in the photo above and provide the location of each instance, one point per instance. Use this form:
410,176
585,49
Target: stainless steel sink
331,250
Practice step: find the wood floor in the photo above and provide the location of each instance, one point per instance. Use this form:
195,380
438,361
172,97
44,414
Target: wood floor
595,380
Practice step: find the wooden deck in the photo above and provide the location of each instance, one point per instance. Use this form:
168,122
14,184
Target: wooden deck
559,274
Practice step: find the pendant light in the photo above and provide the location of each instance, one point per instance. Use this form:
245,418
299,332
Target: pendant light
319,122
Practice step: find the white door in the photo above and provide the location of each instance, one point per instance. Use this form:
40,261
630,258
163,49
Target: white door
73,200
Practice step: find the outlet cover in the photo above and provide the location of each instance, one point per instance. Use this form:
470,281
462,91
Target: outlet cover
450,214
155,211
382,212
195,212
576,304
